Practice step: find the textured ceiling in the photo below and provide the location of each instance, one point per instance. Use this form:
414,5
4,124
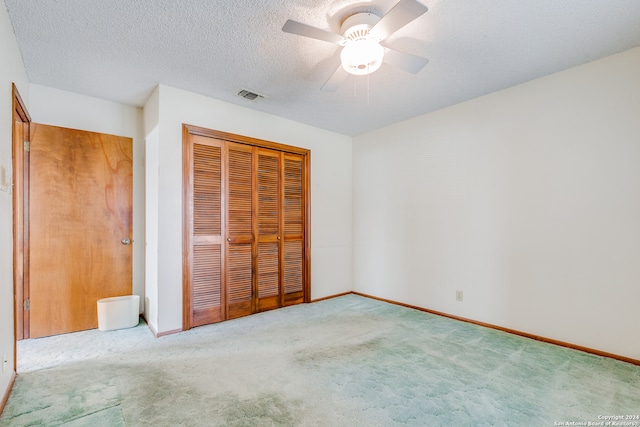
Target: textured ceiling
121,49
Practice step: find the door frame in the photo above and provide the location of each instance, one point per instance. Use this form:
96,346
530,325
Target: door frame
20,199
188,130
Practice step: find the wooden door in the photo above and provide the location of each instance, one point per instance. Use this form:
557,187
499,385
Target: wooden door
259,259
269,224
80,212
293,264
204,221
240,230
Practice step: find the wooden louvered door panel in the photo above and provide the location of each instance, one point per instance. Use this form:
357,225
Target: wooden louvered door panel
269,225
240,230
293,212
246,245
206,290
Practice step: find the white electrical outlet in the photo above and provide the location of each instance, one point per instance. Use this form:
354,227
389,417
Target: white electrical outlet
458,295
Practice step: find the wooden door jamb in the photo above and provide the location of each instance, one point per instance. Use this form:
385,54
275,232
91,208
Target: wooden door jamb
20,202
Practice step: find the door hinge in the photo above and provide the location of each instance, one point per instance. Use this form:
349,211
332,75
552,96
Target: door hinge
26,305
26,146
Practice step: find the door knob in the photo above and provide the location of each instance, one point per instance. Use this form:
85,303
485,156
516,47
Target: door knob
125,241
228,239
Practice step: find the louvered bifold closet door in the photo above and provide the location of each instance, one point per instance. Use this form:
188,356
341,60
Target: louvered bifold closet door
293,265
206,230
240,232
269,226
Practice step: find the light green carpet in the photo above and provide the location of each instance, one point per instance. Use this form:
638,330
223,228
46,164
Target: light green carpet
349,361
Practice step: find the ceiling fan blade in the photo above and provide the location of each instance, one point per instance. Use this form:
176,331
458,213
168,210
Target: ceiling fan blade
400,15
336,79
305,30
405,61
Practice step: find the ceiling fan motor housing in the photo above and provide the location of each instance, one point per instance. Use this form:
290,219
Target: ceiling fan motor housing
361,54
358,25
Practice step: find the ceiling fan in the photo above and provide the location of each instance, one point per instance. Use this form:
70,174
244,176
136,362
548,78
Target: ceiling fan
361,36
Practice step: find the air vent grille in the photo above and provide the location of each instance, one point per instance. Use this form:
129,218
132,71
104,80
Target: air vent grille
252,96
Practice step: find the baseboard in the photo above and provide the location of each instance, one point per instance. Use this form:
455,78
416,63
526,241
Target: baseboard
165,333
160,334
331,296
510,331
5,397
150,326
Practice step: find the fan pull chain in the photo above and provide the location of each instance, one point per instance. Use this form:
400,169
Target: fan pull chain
368,86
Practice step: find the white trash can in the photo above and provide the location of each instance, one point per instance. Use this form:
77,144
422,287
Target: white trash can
118,312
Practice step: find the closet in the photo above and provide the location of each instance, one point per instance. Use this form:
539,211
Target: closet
246,226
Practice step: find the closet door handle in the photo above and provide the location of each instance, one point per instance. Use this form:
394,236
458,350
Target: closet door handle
229,239
278,237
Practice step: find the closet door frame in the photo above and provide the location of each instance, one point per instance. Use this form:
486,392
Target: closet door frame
188,130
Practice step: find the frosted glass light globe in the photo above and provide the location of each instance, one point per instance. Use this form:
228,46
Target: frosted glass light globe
362,56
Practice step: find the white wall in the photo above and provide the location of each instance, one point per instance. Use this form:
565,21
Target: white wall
527,200
65,109
152,175
330,191
11,71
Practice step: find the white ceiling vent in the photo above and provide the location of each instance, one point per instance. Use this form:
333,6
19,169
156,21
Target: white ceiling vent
250,95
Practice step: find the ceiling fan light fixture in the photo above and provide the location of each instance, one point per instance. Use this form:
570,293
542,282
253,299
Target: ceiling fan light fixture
361,35
362,56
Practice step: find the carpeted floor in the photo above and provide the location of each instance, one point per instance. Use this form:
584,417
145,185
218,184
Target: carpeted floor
348,361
